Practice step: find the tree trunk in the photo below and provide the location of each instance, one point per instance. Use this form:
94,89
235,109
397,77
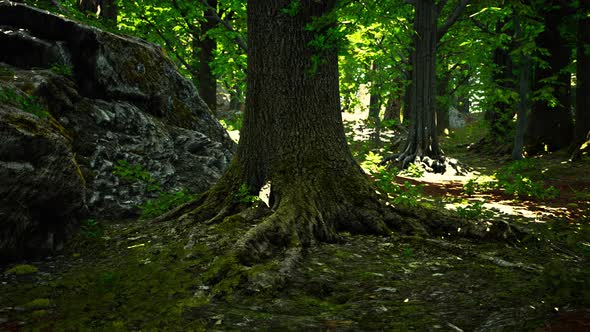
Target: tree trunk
423,140
407,97
393,108
499,117
524,91
583,74
293,137
88,6
550,126
375,105
442,108
206,45
108,11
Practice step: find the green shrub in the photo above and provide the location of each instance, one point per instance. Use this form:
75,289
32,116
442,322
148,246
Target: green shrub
25,103
517,179
91,228
413,170
163,201
243,195
166,201
474,210
60,69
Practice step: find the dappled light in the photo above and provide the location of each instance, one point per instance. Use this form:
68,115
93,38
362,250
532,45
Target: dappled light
297,165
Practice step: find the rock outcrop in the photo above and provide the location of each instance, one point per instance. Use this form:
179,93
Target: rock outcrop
113,99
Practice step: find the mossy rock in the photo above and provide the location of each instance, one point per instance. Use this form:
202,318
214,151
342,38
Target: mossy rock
22,269
38,304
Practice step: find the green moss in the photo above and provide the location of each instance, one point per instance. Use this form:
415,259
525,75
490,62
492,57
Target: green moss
39,313
22,269
37,304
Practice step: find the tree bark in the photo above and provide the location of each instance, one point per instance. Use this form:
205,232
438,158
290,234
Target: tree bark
582,129
423,139
393,108
550,126
499,117
375,104
524,91
206,80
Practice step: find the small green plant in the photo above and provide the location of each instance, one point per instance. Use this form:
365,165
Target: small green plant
136,173
517,179
62,69
243,195
22,269
389,123
413,170
475,210
91,228
233,124
292,9
166,200
25,103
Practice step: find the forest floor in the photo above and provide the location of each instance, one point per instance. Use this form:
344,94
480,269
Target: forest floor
133,275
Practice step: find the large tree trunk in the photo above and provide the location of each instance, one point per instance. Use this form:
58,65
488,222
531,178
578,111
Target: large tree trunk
550,126
293,137
582,129
423,140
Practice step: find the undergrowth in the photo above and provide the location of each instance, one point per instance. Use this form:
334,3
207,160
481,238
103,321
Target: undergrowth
163,201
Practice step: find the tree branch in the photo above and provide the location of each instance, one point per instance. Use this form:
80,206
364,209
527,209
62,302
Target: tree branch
442,30
481,26
237,39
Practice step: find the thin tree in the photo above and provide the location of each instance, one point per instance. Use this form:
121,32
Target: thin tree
422,142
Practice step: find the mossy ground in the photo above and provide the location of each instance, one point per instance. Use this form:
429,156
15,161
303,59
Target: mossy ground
141,277
177,276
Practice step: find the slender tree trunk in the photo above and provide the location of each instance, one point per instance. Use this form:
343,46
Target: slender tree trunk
375,105
207,81
442,108
524,91
582,129
407,97
499,117
393,108
423,139
550,126
108,11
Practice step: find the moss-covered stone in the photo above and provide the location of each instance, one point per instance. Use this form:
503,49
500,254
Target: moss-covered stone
22,269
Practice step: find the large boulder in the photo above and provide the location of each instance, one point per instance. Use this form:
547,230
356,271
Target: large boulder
116,99
42,192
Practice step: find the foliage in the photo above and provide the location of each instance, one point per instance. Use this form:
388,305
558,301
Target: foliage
384,178
22,269
475,210
235,123
25,103
517,179
244,196
91,228
61,69
136,173
166,201
413,170
163,201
